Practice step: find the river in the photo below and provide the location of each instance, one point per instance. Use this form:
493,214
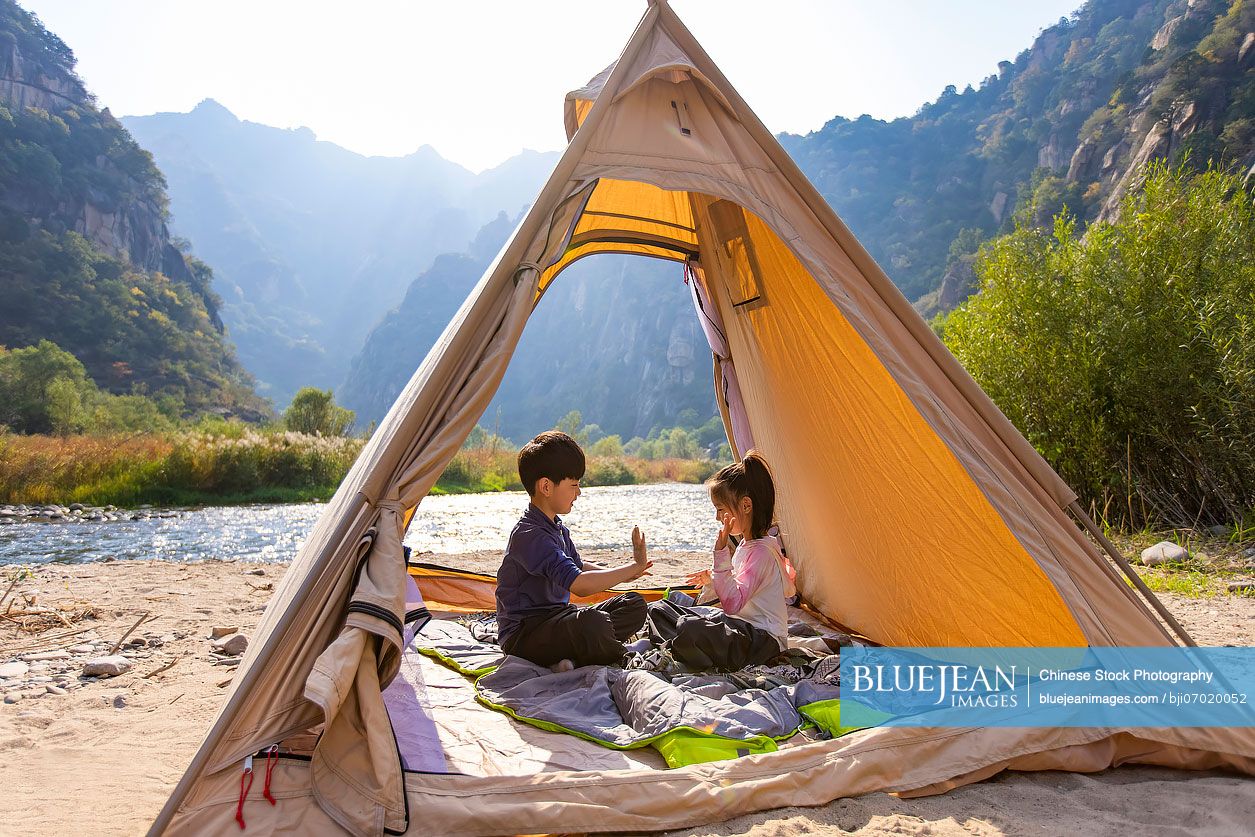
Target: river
672,516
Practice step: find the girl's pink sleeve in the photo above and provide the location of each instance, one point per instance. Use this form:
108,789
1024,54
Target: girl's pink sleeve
736,588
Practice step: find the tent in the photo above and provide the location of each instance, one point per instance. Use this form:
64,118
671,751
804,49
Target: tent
916,513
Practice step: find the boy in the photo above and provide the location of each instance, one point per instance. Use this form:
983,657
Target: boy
535,617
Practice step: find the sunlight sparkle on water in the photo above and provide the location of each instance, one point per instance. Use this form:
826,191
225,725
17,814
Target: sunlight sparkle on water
672,516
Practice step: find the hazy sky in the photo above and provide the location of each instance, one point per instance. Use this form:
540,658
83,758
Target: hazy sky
482,79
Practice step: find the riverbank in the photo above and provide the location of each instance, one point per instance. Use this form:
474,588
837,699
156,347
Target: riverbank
233,464
122,742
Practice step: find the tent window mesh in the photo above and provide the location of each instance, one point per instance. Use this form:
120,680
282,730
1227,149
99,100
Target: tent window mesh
736,252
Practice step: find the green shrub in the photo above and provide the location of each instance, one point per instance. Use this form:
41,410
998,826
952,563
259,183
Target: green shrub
1127,355
607,446
609,471
463,471
315,411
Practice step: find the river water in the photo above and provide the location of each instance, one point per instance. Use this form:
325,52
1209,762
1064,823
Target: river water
672,516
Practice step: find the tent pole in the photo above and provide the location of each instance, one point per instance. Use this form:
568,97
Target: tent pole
1122,562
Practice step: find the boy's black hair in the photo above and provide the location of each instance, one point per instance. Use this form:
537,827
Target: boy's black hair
552,454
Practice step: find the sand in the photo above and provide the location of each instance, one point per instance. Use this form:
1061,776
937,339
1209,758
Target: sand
102,758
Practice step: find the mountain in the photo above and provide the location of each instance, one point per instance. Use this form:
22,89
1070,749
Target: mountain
86,257
616,338
1071,121
400,341
311,243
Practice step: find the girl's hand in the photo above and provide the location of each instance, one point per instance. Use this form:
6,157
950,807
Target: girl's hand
721,542
701,578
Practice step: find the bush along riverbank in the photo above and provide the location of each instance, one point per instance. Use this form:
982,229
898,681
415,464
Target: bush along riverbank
236,463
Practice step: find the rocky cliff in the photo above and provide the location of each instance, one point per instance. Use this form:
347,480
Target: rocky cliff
616,339
1072,121
86,257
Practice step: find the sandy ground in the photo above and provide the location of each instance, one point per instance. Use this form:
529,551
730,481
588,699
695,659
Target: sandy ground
102,757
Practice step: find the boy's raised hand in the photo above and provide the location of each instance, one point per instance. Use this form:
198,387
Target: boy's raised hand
640,557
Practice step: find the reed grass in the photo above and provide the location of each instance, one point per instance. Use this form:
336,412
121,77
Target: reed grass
232,464
183,468
477,470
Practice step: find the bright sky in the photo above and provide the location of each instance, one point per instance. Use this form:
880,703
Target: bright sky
482,79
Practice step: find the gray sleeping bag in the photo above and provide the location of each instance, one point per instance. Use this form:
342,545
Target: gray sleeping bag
621,708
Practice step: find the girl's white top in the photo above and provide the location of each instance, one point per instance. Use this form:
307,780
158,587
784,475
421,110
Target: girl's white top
751,585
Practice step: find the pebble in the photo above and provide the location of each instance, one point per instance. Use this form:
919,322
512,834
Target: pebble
258,571
106,666
1241,586
75,513
219,633
56,690
82,649
12,697
233,645
119,702
1164,552
13,670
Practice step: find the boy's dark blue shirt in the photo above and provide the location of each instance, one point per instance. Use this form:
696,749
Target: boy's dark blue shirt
539,568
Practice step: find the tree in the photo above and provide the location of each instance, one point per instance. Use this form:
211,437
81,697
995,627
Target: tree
680,444
66,411
607,446
26,388
570,423
315,411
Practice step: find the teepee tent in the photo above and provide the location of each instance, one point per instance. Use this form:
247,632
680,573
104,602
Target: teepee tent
916,514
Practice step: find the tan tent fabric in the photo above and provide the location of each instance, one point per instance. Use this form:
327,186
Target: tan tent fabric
915,512
914,762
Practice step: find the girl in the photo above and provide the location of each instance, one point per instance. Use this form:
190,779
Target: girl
752,584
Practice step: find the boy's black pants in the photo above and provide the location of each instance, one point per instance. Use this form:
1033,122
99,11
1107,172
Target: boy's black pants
584,635
709,642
